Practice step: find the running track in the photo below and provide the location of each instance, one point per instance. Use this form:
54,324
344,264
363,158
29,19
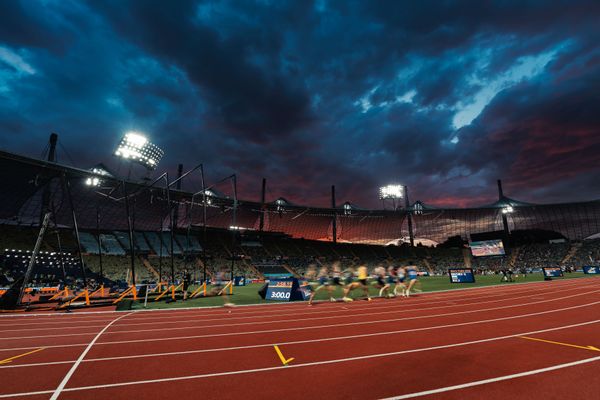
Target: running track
448,345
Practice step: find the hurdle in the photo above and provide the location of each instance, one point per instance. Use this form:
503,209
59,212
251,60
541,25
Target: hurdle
131,291
61,293
196,293
100,291
85,293
171,288
229,285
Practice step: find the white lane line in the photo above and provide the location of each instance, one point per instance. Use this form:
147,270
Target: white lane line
65,380
194,312
492,380
393,308
430,295
302,320
325,362
326,339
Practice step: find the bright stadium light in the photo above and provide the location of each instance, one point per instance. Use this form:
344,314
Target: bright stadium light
347,208
508,210
136,147
95,180
391,192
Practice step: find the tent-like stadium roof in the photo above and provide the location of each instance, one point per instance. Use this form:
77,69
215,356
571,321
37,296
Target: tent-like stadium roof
29,184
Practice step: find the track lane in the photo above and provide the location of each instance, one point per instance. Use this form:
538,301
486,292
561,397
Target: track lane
157,366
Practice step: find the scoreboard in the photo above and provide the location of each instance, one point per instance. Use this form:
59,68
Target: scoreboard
552,272
279,289
288,289
591,270
461,275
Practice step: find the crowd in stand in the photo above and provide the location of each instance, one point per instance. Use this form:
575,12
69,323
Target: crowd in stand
257,257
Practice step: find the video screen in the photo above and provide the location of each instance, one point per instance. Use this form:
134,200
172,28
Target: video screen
486,248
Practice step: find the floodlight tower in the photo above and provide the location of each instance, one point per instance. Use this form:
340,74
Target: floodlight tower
398,192
136,148
391,192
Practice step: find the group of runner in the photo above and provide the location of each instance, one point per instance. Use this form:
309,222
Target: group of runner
392,281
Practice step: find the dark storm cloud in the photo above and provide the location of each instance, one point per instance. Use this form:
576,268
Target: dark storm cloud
445,97
255,100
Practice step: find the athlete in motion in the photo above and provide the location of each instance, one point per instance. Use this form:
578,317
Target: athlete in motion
412,272
323,278
361,282
400,288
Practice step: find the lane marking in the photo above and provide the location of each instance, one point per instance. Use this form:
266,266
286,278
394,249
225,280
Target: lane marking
572,281
492,380
299,320
326,339
336,361
10,359
65,380
267,314
561,344
394,309
312,327
281,357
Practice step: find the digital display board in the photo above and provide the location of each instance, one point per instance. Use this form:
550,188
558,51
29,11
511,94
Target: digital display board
486,248
552,272
461,275
279,289
591,270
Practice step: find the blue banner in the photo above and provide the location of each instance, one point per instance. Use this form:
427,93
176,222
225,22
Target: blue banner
552,272
588,269
239,281
461,275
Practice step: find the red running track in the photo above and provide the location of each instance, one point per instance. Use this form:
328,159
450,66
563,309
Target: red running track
448,345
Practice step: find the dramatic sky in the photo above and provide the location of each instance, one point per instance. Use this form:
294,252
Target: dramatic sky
445,97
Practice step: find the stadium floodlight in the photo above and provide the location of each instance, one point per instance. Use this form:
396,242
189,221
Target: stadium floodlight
347,208
508,209
391,192
95,180
136,147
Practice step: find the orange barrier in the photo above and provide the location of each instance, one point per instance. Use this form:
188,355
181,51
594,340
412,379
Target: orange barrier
99,291
171,288
85,294
196,292
229,285
158,287
61,293
131,291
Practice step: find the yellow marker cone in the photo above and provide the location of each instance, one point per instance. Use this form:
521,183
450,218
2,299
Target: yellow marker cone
281,357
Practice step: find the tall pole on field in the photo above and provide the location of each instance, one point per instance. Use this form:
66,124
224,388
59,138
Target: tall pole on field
334,216
409,216
261,225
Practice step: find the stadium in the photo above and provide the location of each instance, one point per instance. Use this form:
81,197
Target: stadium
299,199
87,246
